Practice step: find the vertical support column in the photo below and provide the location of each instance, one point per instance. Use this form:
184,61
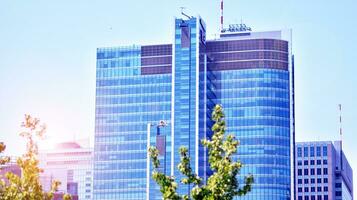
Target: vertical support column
173,101
205,118
197,110
148,163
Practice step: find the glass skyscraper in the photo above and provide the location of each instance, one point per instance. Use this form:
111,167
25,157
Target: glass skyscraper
249,73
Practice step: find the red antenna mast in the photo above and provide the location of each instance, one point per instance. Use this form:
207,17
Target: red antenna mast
340,109
341,154
221,15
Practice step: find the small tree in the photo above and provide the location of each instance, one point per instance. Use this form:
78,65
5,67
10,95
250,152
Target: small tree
223,184
28,186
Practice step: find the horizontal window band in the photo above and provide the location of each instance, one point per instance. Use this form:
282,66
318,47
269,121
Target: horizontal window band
261,64
156,70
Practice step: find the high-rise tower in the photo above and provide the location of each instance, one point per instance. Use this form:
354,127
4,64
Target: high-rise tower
249,73
253,83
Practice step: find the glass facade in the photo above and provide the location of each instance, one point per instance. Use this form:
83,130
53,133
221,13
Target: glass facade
133,89
189,94
256,104
180,83
253,85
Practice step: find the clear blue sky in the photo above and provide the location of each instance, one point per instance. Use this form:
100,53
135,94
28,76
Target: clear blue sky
47,57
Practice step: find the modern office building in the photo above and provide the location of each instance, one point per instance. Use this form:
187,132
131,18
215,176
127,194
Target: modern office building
72,165
249,73
322,172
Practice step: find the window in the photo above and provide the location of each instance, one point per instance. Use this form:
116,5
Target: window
326,189
312,151
318,171
319,189
325,197
312,162
319,197
299,172
318,162
306,152
299,197
312,189
338,193
306,171
325,180
306,198
325,162
312,171
306,162
306,181
319,180
312,197
299,181
299,189
299,152
325,171
299,162
306,189
318,151
312,180
325,150
338,185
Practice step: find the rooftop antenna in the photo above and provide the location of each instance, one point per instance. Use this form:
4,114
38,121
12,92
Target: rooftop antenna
184,14
341,154
221,15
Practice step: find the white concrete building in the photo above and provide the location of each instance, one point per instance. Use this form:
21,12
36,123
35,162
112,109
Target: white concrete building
71,164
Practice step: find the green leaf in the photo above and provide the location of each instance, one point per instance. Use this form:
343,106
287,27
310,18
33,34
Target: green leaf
223,183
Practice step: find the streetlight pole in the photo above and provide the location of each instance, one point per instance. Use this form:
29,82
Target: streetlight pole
161,123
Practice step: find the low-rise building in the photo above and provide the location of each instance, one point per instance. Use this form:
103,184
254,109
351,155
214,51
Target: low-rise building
322,172
71,164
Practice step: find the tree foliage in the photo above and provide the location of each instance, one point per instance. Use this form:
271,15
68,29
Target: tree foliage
222,184
3,159
28,186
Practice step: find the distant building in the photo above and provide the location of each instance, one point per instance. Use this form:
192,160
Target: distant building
10,167
59,196
320,172
71,164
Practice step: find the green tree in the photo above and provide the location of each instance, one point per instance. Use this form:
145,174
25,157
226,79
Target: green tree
28,186
223,184
3,159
